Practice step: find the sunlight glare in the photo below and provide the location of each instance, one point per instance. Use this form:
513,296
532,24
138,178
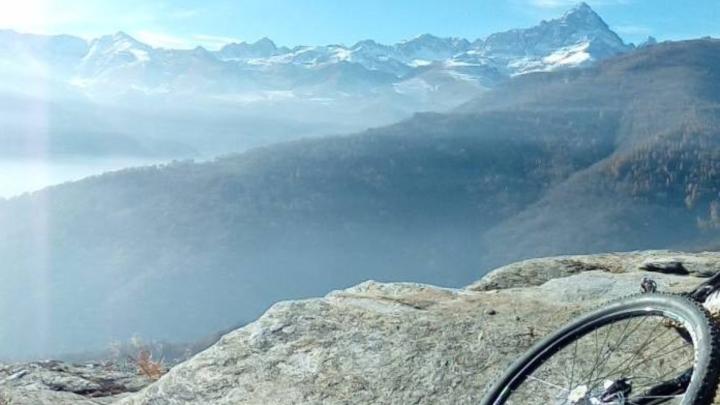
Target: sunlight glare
25,15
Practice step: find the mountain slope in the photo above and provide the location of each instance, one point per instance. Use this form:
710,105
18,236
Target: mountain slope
234,235
621,155
115,64
578,38
250,94
660,186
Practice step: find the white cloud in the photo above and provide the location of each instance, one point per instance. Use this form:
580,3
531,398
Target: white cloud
163,40
212,42
149,22
39,16
84,18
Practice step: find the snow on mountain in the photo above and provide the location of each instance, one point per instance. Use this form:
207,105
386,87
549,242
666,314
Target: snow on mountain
375,56
119,63
581,24
431,48
111,52
244,52
571,56
577,38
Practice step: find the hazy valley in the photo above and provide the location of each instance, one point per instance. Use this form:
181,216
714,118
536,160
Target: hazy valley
524,156
114,97
437,198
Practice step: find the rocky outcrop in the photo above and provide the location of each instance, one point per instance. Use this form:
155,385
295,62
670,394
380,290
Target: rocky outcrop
535,272
403,343
394,343
56,383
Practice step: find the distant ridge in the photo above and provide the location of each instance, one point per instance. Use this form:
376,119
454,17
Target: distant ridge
115,63
624,155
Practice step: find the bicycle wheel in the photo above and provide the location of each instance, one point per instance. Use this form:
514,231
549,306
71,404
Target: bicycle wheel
643,349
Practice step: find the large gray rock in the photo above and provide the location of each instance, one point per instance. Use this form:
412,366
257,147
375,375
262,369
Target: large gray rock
393,343
535,272
409,343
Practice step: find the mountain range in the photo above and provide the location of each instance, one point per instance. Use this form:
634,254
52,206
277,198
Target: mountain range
119,63
251,94
619,155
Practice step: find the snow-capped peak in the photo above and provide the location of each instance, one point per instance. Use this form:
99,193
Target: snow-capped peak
117,43
123,36
583,16
122,40
432,48
265,43
113,51
577,38
580,8
243,51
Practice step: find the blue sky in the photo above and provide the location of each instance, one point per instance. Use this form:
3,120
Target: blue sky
187,23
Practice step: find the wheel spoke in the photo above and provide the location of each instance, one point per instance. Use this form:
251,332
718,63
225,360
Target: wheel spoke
631,349
612,349
549,384
641,348
572,369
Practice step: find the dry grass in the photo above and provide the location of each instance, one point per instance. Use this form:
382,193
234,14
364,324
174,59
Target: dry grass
148,367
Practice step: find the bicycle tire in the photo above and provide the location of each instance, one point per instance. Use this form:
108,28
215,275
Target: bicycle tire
695,319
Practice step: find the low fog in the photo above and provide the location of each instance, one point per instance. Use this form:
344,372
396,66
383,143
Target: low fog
253,182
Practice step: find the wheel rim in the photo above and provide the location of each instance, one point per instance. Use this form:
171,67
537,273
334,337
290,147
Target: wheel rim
641,347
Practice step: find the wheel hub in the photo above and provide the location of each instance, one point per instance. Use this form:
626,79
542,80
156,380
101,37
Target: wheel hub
613,393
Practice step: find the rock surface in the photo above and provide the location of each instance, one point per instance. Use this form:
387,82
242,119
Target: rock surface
384,343
402,343
56,383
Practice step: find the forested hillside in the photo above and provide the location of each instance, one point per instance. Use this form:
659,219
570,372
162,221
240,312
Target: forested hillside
620,156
